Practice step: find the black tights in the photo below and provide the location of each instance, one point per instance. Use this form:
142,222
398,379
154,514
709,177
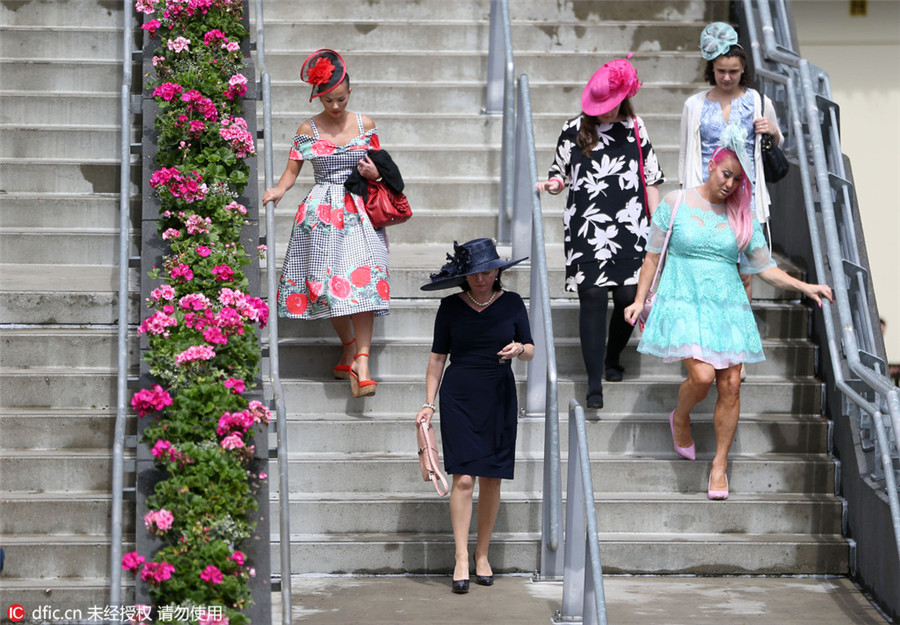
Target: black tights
594,302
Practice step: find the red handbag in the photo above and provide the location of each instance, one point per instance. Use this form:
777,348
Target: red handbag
429,461
386,208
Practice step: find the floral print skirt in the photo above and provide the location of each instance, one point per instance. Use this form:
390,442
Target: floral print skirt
336,263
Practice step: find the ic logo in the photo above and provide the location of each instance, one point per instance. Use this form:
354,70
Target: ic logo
15,613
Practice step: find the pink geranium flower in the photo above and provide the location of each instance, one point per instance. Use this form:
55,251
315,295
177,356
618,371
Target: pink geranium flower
157,572
132,561
179,44
232,441
211,574
195,353
150,400
236,385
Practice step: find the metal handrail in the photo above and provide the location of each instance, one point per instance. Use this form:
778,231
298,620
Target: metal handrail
583,596
542,392
118,446
284,512
500,98
829,171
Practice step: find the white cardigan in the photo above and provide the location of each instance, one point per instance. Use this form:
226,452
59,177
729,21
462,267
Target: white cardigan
690,163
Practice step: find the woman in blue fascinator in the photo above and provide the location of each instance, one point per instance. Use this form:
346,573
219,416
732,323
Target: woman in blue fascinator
701,315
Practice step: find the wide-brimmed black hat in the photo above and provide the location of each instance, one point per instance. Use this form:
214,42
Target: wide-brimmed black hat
471,257
324,69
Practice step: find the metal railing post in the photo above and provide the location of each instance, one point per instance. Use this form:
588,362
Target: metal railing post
284,511
584,599
500,98
541,385
118,461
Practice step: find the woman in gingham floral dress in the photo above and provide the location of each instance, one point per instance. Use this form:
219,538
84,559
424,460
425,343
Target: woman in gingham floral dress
336,264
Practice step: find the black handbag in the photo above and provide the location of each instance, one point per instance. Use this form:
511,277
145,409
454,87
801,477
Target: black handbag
774,162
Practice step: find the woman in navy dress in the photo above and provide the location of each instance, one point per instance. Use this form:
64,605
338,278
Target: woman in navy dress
482,329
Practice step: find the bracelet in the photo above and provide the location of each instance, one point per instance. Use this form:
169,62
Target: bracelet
522,351
428,404
561,187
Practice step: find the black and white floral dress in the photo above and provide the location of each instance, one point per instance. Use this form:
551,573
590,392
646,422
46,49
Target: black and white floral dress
605,220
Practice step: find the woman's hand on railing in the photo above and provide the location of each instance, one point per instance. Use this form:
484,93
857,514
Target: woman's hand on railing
273,195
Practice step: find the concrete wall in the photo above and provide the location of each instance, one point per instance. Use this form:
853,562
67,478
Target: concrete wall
862,57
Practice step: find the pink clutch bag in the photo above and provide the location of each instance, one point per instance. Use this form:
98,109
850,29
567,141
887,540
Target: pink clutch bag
429,461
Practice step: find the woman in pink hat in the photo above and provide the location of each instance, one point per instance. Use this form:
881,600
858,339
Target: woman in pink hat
336,264
605,158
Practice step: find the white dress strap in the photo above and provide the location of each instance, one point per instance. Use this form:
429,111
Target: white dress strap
314,129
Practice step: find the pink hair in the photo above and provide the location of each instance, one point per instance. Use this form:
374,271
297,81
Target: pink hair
737,205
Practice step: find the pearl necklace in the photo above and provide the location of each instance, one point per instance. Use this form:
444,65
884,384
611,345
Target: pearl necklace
482,304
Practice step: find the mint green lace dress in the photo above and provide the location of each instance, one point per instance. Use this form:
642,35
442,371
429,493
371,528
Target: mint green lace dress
701,309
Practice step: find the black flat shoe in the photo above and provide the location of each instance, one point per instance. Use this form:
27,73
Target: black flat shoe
460,586
484,580
595,400
614,373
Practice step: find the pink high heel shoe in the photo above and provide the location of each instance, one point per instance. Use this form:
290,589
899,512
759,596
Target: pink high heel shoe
685,452
716,494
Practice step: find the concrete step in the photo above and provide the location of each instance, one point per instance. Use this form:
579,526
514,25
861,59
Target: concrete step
36,142
49,388
650,553
627,434
431,226
68,246
301,358
415,318
84,42
643,472
484,131
50,14
55,515
471,64
65,349
620,513
51,307
68,75
462,160
376,97
386,34
35,108
38,556
78,472
521,10
82,597
64,210
36,428
412,265
61,175
649,395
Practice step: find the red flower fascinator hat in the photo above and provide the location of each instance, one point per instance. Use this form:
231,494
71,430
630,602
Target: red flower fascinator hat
609,85
324,69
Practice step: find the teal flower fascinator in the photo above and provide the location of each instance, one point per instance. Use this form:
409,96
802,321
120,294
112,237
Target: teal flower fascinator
716,39
734,138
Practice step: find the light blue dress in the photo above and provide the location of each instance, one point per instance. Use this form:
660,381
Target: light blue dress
701,310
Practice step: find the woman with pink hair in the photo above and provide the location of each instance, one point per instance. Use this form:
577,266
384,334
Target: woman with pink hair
701,314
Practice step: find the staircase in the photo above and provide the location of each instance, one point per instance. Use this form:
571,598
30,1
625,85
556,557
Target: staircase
59,166
358,504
